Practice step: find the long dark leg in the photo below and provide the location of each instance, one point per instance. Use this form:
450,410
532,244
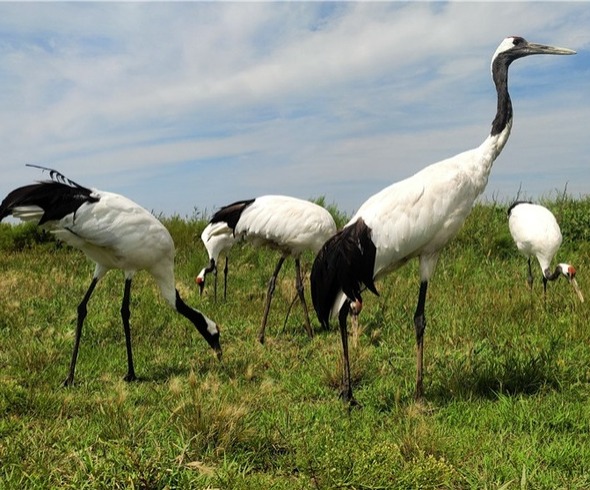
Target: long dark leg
545,280
529,278
271,290
346,393
289,312
225,269
420,326
125,315
215,284
81,316
299,286
354,328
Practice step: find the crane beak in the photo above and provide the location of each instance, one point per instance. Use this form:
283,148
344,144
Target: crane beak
543,49
574,284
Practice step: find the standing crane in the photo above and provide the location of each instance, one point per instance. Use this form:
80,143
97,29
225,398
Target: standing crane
216,242
282,223
536,233
415,217
113,232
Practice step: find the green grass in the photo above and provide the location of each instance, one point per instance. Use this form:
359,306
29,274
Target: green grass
507,374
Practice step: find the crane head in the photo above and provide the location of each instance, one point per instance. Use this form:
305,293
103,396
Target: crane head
356,306
217,349
570,274
215,344
200,280
515,47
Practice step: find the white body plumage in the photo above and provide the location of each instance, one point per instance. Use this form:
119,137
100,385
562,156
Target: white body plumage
413,218
285,223
417,216
537,234
115,233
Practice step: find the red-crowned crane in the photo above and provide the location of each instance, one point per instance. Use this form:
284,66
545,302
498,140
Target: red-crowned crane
216,242
115,233
536,233
415,217
282,223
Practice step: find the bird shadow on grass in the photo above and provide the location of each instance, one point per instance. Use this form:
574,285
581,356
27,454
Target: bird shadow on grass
490,374
163,373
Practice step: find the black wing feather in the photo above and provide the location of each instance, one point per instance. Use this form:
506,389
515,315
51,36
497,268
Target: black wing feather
57,176
516,203
57,197
345,262
231,213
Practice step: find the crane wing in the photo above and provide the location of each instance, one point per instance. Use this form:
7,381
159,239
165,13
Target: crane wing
231,213
345,264
287,223
56,199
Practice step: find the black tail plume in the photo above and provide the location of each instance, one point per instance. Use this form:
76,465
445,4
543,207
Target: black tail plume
57,176
57,197
345,262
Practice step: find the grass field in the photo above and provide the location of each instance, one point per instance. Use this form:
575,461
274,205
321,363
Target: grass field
507,374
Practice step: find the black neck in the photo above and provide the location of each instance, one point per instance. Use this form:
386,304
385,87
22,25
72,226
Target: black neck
198,320
211,266
504,109
551,276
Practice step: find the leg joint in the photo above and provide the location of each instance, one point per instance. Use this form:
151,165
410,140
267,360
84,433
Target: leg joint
420,326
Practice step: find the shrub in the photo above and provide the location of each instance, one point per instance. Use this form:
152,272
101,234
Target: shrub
16,238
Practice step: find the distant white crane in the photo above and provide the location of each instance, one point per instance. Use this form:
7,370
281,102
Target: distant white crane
536,233
115,233
282,223
413,218
217,241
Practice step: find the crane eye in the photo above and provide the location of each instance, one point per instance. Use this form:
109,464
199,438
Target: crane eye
518,41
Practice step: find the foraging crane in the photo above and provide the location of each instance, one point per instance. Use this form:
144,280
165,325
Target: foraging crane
282,223
536,233
115,233
415,217
216,242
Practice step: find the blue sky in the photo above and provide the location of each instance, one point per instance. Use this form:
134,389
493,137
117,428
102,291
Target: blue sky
184,106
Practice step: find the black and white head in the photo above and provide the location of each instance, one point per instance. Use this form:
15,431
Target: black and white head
515,47
200,279
570,274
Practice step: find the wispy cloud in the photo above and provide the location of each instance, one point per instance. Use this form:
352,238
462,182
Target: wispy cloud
184,105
